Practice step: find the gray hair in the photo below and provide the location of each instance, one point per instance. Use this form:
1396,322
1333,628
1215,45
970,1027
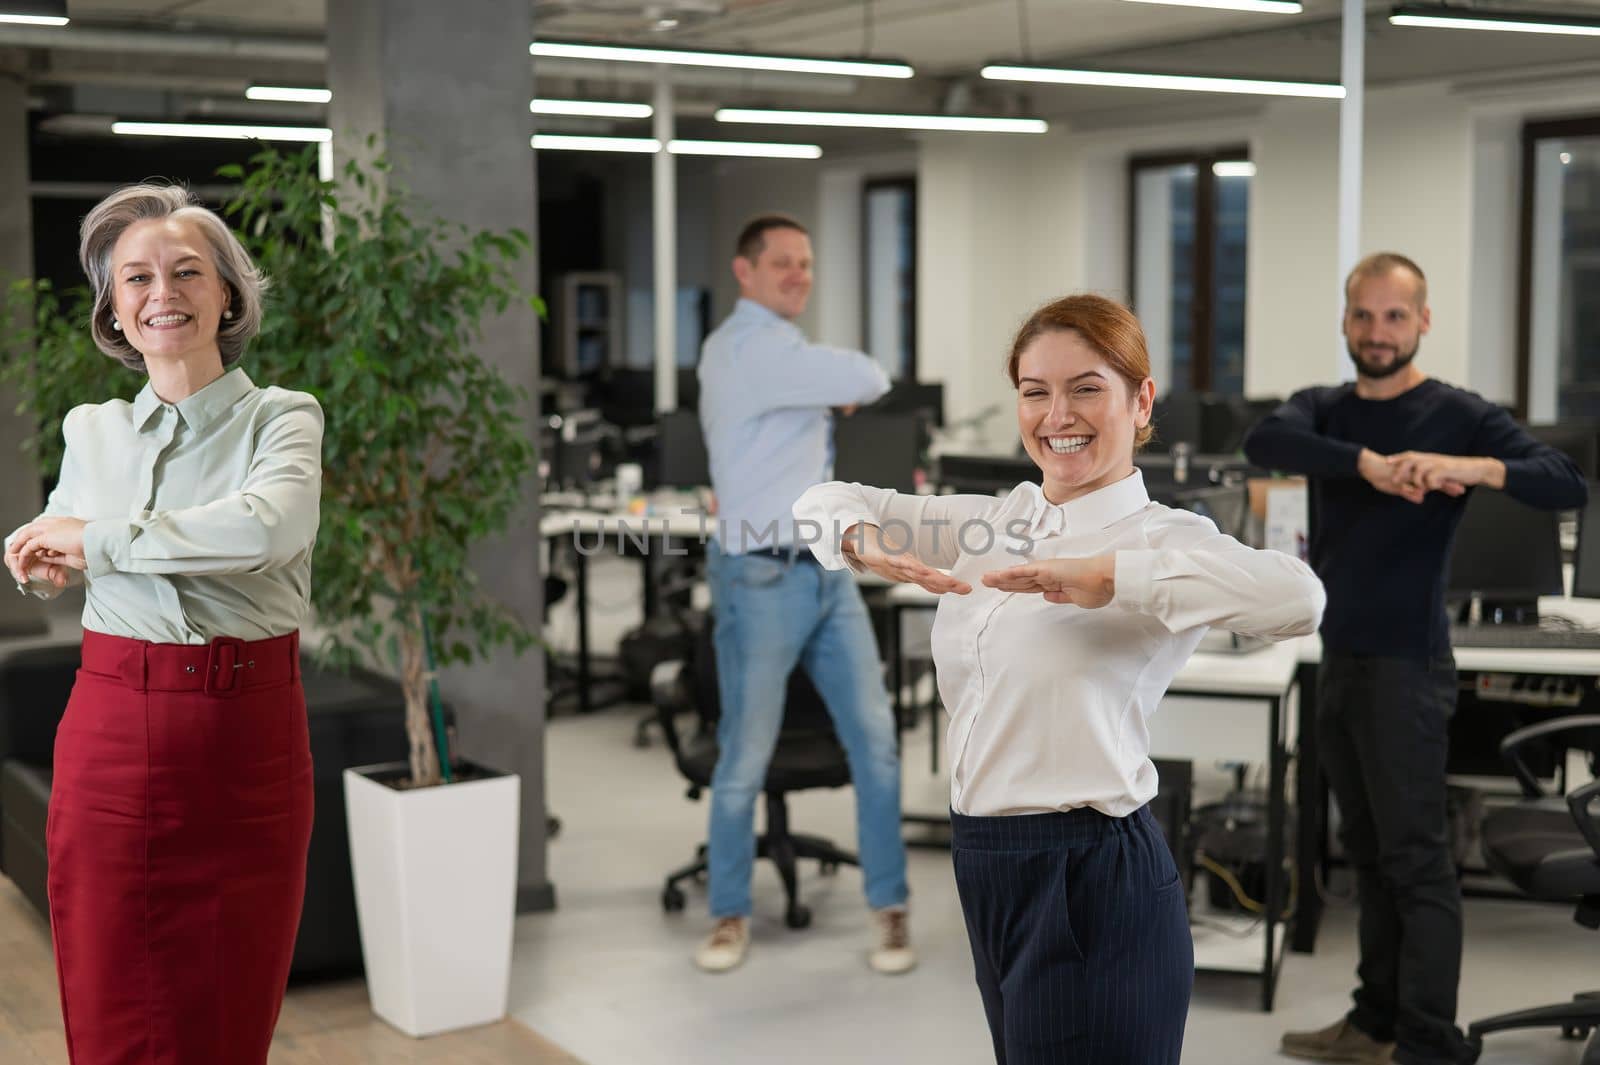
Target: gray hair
111,217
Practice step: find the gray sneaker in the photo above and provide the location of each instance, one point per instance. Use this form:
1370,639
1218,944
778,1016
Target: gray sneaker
724,948
1340,1041
892,953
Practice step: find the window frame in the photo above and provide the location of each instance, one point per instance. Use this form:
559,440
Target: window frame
908,182
1201,314
1533,132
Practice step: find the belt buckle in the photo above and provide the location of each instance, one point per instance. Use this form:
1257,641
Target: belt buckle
223,662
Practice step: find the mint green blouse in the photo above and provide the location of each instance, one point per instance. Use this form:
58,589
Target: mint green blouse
201,514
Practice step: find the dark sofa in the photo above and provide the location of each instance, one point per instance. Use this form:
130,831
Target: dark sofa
355,719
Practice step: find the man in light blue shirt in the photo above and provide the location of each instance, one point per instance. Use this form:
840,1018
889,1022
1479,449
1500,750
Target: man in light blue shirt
765,399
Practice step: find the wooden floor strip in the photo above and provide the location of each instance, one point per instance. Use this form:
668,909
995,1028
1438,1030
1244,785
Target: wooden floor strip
322,1024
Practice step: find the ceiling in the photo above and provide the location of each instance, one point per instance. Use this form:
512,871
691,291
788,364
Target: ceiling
946,40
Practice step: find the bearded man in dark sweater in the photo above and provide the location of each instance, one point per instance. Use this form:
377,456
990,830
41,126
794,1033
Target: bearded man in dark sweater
1390,459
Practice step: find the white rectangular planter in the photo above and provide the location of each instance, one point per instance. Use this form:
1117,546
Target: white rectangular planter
436,880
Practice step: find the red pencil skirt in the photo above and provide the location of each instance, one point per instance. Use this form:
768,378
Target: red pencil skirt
180,813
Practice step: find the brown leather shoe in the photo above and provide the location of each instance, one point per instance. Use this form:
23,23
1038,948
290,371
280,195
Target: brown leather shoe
1340,1041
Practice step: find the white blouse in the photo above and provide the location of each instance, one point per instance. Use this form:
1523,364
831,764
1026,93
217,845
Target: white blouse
1048,702
201,514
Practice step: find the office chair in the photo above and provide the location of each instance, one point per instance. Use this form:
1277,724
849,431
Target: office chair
667,637
808,755
1551,851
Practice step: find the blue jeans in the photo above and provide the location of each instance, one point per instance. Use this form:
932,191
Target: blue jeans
771,614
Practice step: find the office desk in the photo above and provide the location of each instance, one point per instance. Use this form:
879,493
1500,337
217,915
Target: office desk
1312,791
1214,708
677,518
591,531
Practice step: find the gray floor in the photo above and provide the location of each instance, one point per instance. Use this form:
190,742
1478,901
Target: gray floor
608,975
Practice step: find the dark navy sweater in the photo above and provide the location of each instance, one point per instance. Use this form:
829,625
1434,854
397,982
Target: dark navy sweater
1384,561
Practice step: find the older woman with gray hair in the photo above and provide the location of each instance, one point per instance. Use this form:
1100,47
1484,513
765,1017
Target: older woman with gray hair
180,808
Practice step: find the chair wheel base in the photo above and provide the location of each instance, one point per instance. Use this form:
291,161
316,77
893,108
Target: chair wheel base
672,900
797,916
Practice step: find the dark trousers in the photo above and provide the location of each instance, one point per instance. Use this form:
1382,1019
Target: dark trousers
1080,936
1382,726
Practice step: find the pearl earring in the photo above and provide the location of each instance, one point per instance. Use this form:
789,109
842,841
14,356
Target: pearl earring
116,325
228,314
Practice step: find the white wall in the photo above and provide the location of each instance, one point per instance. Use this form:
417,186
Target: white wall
1292,277
1005,225
997,235
1491,318
837,239
1417,200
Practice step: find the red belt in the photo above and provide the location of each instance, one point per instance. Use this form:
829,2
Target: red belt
223,667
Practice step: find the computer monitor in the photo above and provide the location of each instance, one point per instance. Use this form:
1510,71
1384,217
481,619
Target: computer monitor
1578,440
1228,506
986,474
883,450
913,397
572,448
1507,554
627,397
1225,420
1177,419
681,450
1586,559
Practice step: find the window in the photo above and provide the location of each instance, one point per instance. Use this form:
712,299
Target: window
1188,231
889,275
1558,328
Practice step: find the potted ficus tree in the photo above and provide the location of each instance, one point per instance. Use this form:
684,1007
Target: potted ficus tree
375,309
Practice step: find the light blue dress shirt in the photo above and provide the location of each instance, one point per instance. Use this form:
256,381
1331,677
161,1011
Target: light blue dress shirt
765,394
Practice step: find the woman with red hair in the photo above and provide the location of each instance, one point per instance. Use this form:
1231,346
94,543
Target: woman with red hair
1066,609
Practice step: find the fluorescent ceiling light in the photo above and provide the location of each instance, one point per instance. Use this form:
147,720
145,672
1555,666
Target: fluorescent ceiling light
34,12
563,142
1234,168
746,149
864,68
649,146
1461,19
285,94
1180,82
223,132
1271,7
591,108
869,121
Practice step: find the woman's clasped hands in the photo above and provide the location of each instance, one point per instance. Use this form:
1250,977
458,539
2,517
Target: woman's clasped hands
1085,582
46,549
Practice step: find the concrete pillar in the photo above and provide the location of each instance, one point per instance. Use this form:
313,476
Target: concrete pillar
444,88
19,474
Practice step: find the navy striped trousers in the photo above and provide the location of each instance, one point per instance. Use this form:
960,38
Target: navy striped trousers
1080,936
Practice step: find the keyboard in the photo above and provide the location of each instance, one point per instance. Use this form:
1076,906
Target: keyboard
1532,636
